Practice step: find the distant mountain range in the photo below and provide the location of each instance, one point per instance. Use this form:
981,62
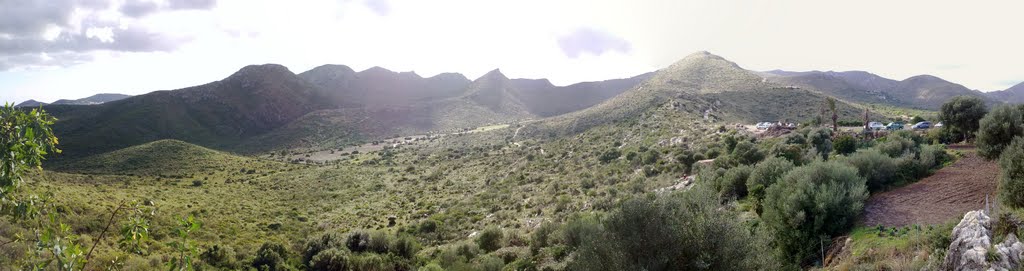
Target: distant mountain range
921,91
267,107
1014,94
91,100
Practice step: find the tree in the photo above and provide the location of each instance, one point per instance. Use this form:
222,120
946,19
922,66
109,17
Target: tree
997,129
1011,181
835,117
811,204
961,114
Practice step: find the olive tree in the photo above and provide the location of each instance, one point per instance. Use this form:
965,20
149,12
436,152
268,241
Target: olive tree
961,114
997,129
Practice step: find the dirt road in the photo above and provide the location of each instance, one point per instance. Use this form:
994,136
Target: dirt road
948,194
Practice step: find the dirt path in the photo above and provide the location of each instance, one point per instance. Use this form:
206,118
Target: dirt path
947,194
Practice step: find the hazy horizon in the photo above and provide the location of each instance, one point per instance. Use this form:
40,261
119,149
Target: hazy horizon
53,50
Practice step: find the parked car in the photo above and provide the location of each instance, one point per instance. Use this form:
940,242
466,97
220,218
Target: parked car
874,125
894,126
764,125
922,125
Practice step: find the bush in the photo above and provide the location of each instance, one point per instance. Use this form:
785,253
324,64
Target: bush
489,263
405,246
357,241
997,129
220,256
845,144
877,168
431,267
792,152
379,242
821,140
747,153
330,260
933,156
680,231
541,237
609,155
898,144
270,256
764,175
1011,181
317,244
908,168
579,228
818,200
941,136
490,239
734,183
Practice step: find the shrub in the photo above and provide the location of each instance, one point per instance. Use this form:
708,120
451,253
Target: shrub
877,168
357,241
795,138
845,144
821,140
431,267
490,239
405,246
428,226
1011,181
733,184
579,228
270,256
370,261
679,231
764,175
941,136
897,144
220,256
379,242
330,260
489,263
908,168
541,237
747,153
609,155
932,156
818,200
997,129
792,152
315,245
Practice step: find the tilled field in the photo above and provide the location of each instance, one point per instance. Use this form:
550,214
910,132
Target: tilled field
948,194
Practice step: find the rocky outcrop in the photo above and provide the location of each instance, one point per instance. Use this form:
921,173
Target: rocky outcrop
971,247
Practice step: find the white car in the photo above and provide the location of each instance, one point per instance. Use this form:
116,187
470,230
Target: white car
874,125
763,125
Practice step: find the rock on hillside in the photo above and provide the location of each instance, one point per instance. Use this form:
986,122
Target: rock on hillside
972,241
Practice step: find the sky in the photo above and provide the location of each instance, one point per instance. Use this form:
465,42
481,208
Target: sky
53,49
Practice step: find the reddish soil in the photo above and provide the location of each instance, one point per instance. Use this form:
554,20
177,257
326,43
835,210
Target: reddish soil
946,195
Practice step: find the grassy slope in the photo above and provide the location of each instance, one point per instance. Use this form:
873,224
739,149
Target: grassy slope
163,158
